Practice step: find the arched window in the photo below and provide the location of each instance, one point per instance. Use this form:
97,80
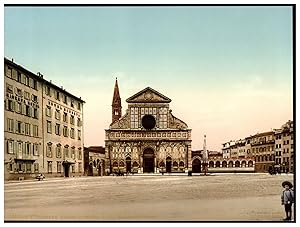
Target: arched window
175,164
121,164
162,164
181,164
135,164
230,164
243,164
217,164
115,164
211,164
237,164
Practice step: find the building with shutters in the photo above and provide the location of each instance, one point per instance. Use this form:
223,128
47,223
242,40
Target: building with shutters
43,126
270,151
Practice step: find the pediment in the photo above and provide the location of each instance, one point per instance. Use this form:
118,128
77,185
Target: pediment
148,95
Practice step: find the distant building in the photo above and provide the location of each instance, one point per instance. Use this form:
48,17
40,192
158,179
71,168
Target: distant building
217,162
262,145
94,161
214,155
43,126
270,150
284,148
226,149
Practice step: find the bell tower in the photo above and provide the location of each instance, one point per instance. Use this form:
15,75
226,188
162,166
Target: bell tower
116,104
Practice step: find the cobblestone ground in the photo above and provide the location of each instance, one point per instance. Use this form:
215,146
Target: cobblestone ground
218,197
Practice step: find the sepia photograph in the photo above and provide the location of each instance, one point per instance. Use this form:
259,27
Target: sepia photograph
149,113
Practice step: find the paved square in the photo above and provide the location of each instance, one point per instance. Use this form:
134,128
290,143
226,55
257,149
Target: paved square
219,197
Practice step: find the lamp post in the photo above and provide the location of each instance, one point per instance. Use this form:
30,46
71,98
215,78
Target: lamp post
205,156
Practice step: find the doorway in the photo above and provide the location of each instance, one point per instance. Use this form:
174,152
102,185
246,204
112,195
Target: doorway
168,165
196,166
67,170
148,161
128,165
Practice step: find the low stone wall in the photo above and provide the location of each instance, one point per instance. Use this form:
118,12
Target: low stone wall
231,170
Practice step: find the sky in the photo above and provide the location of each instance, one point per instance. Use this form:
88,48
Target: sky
227,70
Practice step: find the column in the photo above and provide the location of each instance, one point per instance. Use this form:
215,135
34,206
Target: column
189,161
141,164
155,169
108,167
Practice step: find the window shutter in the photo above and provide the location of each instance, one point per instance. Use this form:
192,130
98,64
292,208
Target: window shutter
30,149
23,109
24,149
37,113
38,147
7,146
17,126
13,105
23,128
30,130
14,147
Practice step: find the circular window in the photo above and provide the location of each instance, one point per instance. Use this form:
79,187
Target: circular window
148,122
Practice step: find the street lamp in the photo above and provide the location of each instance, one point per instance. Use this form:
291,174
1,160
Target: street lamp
205,156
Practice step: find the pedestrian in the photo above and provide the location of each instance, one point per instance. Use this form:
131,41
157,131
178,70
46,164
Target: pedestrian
287,199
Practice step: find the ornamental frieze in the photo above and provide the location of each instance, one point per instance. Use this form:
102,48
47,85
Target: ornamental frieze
144,135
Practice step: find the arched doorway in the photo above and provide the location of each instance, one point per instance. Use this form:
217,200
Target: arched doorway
218,164
128,165
243,164
196,166
90,169
224,164
148,161
237,164
211,164
250,164
168,165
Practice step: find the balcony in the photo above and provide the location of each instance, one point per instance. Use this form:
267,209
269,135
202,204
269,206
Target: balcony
258,143
22,157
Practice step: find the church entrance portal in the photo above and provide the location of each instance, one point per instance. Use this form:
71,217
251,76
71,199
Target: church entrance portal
128,165
196,168
168,165
148,161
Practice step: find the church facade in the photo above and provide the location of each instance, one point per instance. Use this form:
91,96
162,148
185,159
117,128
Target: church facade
148,138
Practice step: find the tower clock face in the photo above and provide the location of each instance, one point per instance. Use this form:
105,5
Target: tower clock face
148,122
